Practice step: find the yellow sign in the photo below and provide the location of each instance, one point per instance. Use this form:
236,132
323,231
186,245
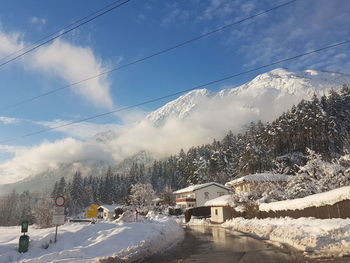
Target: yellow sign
92,212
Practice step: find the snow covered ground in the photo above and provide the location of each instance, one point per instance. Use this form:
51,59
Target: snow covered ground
82,242
321,237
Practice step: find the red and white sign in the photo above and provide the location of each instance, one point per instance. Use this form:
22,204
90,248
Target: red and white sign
60,200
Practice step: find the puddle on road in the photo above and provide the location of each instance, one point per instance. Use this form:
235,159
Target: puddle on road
204,244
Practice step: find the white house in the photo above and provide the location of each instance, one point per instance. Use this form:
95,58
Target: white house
107,211
197,195
253,181
220,208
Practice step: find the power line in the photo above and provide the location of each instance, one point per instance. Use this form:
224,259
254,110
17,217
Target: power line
177,93
163,51
60,30
63,33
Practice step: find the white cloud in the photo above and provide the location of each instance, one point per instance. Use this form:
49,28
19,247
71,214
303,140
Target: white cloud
82,130
67,61
48,156
8,120
10,43
38,21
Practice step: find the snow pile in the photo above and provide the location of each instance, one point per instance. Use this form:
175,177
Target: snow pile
259,177
326,198
321,237
81,242
192,188
199,222
224,200
126,217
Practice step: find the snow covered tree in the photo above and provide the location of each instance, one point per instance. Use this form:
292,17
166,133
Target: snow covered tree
43,212
141,194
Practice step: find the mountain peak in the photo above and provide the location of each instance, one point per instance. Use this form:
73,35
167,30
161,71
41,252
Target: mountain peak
276,85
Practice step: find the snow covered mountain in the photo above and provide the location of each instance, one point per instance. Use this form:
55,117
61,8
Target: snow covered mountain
179,108
279,86
194,118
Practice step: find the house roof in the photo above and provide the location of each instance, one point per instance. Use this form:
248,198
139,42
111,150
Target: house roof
109,207
193,188
224,200
260,177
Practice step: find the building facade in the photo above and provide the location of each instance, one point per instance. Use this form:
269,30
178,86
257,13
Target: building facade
197,195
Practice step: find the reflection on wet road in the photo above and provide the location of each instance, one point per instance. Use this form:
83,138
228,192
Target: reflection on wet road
215,244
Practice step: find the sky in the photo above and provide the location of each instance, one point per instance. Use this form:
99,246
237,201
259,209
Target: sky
135,30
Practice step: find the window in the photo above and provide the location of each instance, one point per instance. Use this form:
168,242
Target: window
221,193
206,195
216,212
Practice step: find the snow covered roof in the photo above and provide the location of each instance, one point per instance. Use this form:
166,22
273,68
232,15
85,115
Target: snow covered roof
192,188
109,207
326,198
260,177
224,200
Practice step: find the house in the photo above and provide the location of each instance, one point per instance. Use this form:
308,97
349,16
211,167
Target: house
197,195
220,208
109,211
253,181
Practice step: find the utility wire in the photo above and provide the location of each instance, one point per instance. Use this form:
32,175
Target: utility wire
163,51
177,93
63,33
60,30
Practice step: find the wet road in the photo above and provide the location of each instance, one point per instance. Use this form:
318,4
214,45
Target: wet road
214,244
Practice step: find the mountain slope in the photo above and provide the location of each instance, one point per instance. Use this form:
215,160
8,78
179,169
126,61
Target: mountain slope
278,85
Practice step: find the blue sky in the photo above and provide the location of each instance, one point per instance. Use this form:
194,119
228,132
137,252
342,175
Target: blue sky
138,29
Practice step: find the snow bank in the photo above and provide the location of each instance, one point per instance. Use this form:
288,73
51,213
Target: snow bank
81,242
326,198
322,237
224,200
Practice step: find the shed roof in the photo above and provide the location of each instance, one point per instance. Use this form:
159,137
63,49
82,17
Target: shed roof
224,200
192,188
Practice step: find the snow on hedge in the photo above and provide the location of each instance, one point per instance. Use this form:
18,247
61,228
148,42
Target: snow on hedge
326,198
82,242
259,177
322,237
224,200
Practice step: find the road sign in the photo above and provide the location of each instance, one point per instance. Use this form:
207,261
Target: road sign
59,210
24,226
60,200
58,219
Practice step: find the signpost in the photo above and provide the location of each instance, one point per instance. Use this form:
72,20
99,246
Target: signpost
58,216
24,239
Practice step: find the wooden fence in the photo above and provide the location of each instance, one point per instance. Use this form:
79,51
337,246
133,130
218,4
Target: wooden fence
338,210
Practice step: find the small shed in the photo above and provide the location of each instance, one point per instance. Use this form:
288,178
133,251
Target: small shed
221,208
107,211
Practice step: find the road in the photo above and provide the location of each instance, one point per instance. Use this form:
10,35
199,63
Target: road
218,245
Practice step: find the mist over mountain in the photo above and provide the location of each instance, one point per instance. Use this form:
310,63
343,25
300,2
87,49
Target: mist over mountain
194,118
